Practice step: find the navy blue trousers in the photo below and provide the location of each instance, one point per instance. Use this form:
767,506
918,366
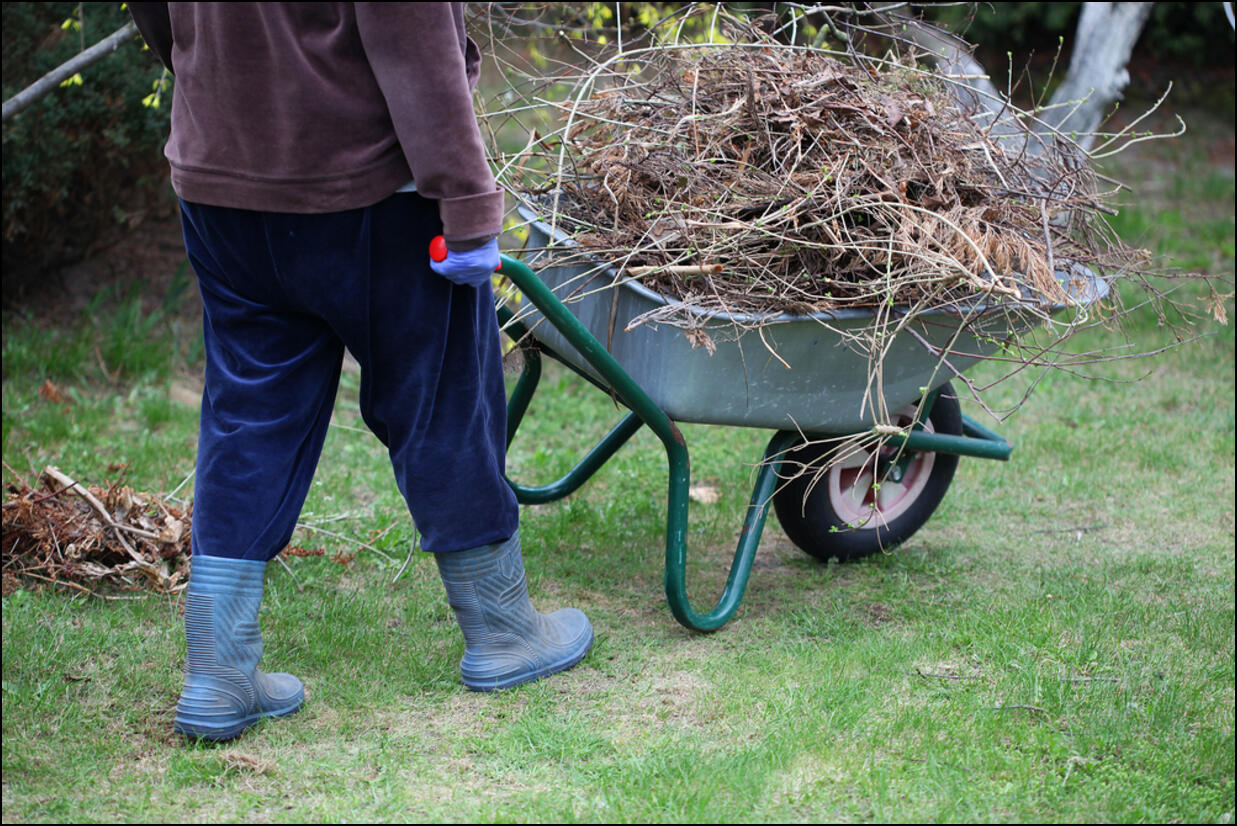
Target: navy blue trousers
283,295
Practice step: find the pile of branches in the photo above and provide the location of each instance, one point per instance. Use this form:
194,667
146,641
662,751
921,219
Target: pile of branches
760,178
81,537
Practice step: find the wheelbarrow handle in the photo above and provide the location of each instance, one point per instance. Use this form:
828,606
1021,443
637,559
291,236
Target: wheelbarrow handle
438,252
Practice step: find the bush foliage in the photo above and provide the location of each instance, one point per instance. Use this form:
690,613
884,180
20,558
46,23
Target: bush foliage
1193,34
85,162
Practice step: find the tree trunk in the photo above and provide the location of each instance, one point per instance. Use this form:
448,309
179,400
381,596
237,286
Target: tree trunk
1103,41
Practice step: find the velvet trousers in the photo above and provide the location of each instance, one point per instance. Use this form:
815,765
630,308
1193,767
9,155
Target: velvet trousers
283,295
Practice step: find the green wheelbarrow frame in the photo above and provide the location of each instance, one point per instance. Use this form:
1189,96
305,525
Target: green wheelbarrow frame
975,441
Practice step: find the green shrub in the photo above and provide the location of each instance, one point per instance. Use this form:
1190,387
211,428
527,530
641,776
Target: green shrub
85,162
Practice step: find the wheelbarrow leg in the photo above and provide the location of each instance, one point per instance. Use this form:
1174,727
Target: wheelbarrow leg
517,406
523,391
749,538
645,411
584,469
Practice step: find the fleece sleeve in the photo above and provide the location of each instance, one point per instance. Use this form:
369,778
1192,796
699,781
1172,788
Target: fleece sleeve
417,53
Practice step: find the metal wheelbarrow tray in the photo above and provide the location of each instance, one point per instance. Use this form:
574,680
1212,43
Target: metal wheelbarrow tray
815,384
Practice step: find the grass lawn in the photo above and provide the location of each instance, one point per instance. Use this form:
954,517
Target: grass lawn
1056,644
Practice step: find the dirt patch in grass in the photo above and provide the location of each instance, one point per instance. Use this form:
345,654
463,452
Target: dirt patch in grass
949,670
151,253
660,692
466,715
808,774
666,703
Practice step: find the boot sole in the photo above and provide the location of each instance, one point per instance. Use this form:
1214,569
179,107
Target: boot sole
514,680
201,731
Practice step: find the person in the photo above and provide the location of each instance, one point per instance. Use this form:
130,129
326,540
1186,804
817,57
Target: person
316,150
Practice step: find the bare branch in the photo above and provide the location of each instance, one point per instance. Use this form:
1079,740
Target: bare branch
49,82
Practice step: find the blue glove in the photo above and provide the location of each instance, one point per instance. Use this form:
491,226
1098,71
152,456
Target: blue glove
473,268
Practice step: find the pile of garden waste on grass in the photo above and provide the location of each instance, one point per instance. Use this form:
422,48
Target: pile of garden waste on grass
104,540
82,537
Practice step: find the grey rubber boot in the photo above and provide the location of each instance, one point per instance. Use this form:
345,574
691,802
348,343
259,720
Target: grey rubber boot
507,642
224,691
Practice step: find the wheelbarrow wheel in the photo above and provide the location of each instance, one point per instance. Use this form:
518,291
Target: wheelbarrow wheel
852,512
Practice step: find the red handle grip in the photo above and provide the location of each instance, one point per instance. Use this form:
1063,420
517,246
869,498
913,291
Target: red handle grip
438,251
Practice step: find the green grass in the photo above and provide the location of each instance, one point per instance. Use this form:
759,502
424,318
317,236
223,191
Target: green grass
1056,644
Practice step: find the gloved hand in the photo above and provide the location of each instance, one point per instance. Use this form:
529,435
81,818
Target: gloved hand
472,269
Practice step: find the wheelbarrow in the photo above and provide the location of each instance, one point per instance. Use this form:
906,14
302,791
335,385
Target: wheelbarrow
798,378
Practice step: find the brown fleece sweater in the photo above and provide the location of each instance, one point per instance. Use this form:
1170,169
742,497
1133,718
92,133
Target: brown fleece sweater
322,107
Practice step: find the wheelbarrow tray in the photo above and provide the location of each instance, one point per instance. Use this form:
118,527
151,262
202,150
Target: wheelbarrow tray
786,372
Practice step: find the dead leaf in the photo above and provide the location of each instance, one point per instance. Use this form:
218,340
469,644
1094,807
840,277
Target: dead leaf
1215,303
893,112
297,550
704,494
239,761
173,530
52,393
699,338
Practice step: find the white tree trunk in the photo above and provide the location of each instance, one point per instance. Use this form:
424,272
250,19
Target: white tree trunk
1103,42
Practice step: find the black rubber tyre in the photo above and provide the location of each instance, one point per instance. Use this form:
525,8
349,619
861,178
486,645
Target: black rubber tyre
843,514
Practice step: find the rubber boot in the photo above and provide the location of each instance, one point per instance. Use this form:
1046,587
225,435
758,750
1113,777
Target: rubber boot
224,692
507,642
